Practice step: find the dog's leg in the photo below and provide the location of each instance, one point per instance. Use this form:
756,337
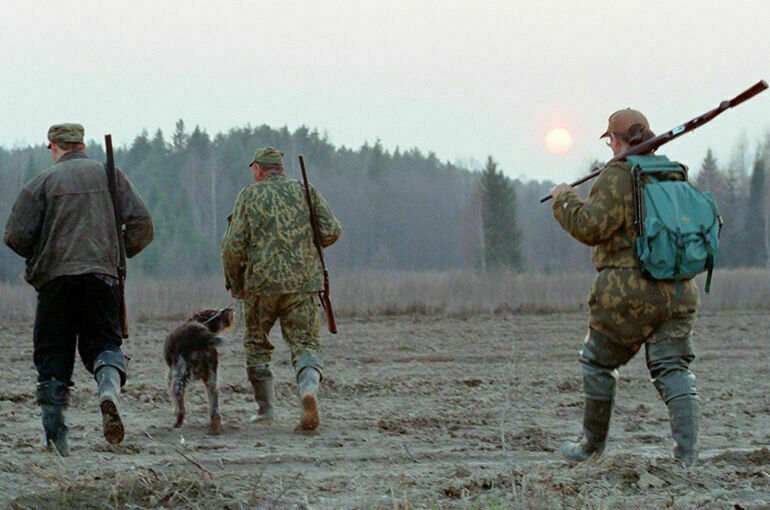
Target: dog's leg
210,380
177,381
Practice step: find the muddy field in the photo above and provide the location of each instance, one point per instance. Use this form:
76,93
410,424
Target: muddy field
418,412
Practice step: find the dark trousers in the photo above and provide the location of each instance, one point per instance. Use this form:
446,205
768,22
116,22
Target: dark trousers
80,311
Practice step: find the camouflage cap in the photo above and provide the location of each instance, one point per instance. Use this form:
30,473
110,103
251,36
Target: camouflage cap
65,133
268,156
622,120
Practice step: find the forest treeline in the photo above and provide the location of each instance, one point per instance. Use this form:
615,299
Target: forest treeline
403,209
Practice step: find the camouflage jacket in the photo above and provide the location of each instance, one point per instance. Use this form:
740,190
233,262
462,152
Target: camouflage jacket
623,305
268,246
63,221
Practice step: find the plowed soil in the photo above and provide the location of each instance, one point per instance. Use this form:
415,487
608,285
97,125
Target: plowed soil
416,411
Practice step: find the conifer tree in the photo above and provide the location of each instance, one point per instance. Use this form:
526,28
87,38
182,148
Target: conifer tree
31,170
731,200
755,247
709,178
498,216
179,138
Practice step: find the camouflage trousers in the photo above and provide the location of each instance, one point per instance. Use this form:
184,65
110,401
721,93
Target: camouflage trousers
300,326
631,310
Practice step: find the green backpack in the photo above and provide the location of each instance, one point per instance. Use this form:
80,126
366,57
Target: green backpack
677,225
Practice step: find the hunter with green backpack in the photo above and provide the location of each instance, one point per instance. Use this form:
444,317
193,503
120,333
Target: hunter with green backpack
627,308
650,233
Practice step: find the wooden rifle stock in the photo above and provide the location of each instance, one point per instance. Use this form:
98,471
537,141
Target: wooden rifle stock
652,144
112,184
326,302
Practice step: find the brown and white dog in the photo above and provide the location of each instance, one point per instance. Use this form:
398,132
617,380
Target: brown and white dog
191,353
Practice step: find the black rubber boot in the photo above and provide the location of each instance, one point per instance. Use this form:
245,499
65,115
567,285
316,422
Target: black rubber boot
308,380
53,397
596,424
261,379
683,416
109,371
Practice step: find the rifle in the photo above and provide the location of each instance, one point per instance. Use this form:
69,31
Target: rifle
326,303
112,184
652,144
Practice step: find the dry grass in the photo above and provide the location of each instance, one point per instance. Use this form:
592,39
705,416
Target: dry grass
457,293
173,299
737,289
368,293
17,302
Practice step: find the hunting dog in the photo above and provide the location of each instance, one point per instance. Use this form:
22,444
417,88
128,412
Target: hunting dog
191,353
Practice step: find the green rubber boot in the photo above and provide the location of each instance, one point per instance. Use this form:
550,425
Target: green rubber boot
596,424
683,416
261,379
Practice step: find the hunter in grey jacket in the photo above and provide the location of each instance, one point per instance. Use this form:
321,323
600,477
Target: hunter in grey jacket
63,221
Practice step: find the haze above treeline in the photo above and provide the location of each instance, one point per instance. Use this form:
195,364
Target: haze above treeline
402,209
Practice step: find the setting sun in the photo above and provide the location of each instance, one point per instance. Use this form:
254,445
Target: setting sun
558,141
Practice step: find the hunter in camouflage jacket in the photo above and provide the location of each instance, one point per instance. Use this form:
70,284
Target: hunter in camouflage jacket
268,248
623,305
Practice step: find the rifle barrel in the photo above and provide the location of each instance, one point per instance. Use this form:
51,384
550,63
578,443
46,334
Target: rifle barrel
748,94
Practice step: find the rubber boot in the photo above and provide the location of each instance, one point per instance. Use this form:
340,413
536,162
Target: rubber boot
109,402
596,424
261,379
669,363
683,416
110,375
52,397
308,381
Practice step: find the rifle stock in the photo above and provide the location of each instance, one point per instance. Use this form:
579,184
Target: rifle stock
112,184
326,301
653,143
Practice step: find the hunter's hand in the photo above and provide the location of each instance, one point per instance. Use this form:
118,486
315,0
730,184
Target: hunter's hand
559,189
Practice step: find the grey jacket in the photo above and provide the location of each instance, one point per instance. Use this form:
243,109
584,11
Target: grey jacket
63,221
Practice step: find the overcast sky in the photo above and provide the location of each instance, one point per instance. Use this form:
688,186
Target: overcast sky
463,79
